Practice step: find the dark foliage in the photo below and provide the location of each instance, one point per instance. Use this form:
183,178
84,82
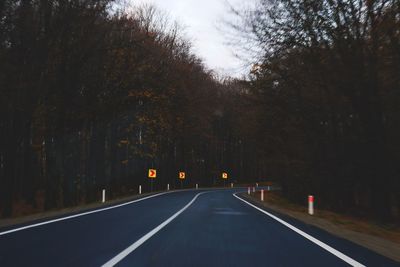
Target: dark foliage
91,98
329,80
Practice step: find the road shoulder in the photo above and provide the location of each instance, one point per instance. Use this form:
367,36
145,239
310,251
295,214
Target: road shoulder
52,214
379,245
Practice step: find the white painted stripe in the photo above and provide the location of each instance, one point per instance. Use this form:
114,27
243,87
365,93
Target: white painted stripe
80,214
147,236
328,248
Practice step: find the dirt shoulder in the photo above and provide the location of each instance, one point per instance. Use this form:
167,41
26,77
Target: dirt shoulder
384,240
47,215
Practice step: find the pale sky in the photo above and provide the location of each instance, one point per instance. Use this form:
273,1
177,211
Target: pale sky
201,20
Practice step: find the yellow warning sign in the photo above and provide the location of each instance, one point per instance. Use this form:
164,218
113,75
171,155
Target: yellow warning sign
224,175
182,175
152,173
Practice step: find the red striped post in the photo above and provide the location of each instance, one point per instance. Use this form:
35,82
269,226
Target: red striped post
311,205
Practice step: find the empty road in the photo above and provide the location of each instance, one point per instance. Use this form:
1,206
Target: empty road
183,228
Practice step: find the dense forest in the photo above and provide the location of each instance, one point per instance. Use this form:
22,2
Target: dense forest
329,81
92,95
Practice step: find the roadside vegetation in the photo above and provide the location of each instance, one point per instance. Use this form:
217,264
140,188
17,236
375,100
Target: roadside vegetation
327,84
93,94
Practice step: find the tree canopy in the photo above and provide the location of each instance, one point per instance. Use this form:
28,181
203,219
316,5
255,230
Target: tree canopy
92,96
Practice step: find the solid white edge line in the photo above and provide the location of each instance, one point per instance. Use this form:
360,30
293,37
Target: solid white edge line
147,236
80,214
328,248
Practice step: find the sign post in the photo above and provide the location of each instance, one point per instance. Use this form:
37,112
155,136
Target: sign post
152,175
224,177
182,177
311,205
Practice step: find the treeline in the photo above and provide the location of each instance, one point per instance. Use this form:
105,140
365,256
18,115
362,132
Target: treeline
91,96
329,85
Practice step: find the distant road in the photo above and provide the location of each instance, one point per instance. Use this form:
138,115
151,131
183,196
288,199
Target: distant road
186,228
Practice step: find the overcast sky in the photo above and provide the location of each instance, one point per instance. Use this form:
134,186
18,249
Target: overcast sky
201,19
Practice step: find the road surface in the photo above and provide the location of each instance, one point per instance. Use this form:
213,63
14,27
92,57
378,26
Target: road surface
184,228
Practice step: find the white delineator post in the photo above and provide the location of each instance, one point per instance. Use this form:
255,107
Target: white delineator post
311,205
231,185
254,189
262,194
103,199
248,190
167,187
197,186
140,189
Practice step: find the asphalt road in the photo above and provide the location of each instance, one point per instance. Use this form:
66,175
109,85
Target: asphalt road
187,228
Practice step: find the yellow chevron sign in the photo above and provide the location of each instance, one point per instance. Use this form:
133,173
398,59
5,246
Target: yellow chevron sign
152,173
